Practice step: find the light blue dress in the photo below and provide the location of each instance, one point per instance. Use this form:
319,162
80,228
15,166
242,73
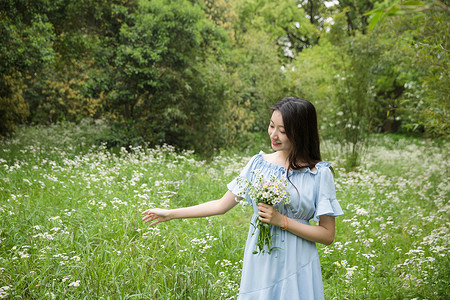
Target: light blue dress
292,271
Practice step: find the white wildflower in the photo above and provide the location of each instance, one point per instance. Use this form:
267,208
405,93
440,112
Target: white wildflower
75,283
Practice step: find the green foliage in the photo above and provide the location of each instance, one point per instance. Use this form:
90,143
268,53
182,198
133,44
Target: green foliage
356,14
377,81
161,74
24,50
203,74
64,95
312,76
13,108
154,49
221,12
426,102
257,65
338,79
390,8
355,96
120,134
284,21
421,31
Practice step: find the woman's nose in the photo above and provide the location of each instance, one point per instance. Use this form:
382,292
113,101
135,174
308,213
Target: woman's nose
273,133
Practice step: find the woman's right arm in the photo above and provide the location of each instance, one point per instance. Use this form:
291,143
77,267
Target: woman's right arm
211,208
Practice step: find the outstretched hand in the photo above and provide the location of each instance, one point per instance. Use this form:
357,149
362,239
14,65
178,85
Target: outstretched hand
268,214
158,214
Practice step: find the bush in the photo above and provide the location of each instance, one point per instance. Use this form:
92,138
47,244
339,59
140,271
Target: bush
13,109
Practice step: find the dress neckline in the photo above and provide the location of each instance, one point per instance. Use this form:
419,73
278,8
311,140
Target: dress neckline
282,168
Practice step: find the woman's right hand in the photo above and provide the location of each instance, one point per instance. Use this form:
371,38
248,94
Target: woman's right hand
158,214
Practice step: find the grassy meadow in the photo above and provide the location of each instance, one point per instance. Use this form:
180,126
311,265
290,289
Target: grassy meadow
70,224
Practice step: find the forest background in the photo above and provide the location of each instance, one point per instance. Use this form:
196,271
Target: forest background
201,75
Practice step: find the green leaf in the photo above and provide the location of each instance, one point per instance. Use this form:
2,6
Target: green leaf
375,19
372,12
393,11
413,3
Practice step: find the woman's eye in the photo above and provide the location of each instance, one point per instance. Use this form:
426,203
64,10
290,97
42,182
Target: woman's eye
282,132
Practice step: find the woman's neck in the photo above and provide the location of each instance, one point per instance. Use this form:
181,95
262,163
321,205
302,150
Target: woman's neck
279,158
283,156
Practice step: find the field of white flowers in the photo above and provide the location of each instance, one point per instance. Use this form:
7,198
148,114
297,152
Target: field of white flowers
70,224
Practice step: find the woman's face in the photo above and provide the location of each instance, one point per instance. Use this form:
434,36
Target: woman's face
278,137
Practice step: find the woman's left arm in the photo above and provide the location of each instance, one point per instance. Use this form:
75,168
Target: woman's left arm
323,233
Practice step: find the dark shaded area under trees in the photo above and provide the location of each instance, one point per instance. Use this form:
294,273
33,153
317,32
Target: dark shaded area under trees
201,74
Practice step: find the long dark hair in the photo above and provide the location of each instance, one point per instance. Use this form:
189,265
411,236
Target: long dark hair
300,123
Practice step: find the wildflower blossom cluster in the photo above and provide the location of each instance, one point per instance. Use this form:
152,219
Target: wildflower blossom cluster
78,193
396,217
272,192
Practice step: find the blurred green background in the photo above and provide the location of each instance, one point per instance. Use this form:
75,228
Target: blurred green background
202,75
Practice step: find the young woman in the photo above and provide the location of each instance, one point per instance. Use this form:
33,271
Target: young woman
292,270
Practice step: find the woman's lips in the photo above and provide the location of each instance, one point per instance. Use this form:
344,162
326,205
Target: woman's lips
275,144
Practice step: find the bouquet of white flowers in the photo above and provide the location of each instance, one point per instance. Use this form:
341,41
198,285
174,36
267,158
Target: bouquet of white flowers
272,192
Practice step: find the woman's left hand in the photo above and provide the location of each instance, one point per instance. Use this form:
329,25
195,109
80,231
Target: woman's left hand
268,214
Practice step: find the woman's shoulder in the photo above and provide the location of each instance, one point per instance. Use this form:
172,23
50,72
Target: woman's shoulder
251,161
323,164
320,167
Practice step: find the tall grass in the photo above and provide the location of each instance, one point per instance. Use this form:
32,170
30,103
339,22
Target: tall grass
70,224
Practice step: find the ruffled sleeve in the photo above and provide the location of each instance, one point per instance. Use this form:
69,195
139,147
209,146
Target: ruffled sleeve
326,202
237,186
